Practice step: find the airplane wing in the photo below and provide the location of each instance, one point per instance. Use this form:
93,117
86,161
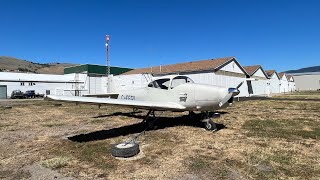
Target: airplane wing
120,102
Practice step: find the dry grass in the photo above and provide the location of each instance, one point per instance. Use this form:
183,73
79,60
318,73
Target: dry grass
56,163
268,139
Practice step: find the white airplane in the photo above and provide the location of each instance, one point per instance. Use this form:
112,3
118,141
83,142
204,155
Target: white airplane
172,93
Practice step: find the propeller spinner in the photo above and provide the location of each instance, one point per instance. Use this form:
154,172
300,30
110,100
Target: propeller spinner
231,93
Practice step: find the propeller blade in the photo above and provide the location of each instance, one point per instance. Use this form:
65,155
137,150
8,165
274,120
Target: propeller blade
239,85
225,99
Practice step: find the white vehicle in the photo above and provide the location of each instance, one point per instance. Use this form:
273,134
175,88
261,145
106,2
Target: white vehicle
171,93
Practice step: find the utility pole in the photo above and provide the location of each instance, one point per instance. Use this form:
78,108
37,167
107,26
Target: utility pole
108,64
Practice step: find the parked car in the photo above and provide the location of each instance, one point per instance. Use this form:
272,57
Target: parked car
17,94
29,94
39,95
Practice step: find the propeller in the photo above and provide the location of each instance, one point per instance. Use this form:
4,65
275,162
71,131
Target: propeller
239,85
225,99
229,97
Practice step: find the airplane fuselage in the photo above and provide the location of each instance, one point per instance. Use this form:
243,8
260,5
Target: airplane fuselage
194,97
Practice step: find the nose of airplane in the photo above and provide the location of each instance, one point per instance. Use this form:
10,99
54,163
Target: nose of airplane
234,91
228,97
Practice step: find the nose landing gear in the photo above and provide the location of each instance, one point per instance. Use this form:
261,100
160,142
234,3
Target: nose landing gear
209,124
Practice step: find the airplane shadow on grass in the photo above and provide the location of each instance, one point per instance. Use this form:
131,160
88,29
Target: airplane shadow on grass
160,123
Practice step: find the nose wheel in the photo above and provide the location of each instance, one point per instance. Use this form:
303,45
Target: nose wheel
210,125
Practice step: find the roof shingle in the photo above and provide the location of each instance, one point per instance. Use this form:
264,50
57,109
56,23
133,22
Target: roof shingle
251,69
210,64
270,72
281,74
289,77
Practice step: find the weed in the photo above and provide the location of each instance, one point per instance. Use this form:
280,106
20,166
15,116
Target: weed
56,163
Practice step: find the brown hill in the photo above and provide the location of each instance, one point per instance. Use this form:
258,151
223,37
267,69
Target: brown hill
18,65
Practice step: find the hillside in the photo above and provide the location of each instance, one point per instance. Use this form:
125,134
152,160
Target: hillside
18,65
307,69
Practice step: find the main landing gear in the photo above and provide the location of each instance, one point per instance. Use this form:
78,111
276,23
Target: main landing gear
150,118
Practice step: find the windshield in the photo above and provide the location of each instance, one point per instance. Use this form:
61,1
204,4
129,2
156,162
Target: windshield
160,83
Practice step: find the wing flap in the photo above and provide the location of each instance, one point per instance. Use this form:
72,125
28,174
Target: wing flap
108,95
120,102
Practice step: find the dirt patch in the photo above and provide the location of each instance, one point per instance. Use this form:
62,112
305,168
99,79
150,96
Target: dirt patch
37,171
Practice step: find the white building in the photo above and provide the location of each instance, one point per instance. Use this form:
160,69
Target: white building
291,84
129,82
91,79
274,81
42,83
225,72
76,81
260,85
284,84
96,80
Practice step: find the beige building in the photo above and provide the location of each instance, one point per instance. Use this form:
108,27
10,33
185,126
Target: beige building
307,81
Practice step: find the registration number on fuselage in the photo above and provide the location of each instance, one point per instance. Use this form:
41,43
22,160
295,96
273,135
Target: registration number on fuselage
128,97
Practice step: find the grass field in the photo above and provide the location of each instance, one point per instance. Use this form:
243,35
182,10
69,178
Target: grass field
276,138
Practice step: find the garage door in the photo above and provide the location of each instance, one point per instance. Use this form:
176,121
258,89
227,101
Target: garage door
3,92
95,85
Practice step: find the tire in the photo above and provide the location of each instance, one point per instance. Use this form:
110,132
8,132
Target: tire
125,150
210,125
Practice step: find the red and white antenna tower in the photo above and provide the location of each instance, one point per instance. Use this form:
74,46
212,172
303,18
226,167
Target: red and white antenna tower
108,62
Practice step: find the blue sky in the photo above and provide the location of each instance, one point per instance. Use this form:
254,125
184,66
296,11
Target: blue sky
277,34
